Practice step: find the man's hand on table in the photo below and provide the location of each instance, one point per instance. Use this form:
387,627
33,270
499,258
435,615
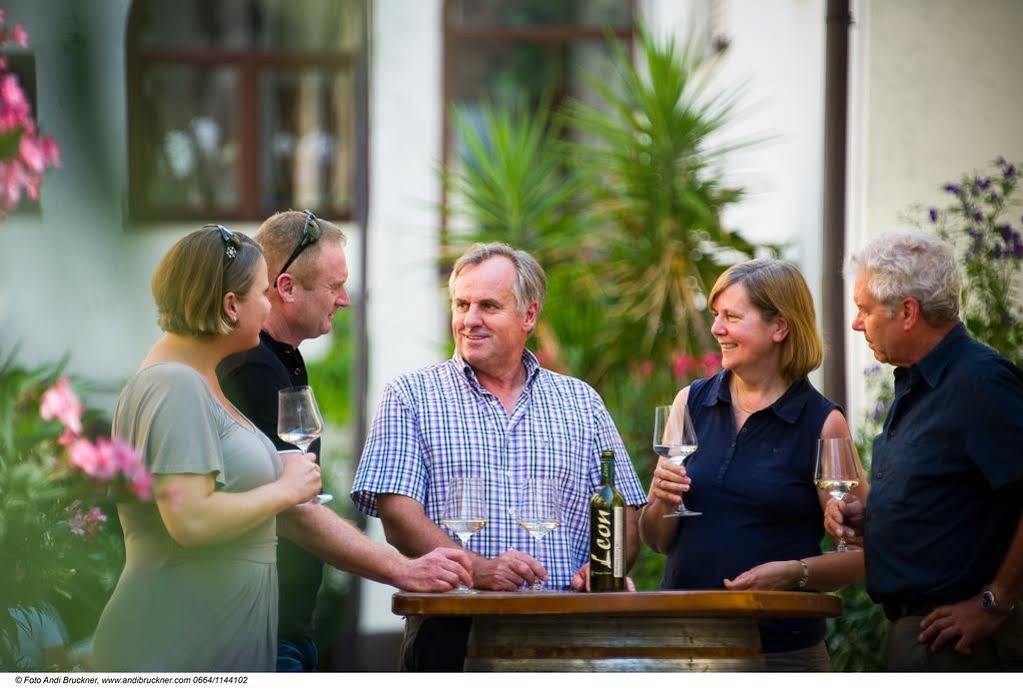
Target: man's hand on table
441,569
507,572
581,580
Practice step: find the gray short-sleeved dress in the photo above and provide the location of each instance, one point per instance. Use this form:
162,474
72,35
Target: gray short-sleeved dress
211,608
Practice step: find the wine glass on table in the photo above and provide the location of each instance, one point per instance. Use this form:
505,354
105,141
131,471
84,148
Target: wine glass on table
299,422
464,512
538,511
675,439
838,471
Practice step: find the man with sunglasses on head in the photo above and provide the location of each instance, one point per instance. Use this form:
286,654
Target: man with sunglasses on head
306,260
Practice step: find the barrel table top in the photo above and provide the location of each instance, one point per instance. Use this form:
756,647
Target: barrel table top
708,604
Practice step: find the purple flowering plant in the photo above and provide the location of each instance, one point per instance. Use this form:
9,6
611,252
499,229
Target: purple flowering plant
983,220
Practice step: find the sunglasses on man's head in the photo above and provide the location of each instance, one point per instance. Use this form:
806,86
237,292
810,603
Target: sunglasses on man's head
230,242
310,234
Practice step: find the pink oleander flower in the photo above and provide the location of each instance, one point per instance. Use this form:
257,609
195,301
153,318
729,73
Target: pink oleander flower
682,364
51,150
86,456
21,172
20,36
126,460
141,481
31,154
711,363
120,454
645,369
85,525
15,110
60,402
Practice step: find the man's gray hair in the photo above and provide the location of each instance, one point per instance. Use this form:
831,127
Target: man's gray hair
912,264
530,279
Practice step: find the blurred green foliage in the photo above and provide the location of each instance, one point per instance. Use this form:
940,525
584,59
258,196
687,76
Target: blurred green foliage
42,563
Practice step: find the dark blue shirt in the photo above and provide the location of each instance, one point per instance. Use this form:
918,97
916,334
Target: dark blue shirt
755,489
945,495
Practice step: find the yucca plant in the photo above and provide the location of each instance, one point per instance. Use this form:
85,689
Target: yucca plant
509,182
650,158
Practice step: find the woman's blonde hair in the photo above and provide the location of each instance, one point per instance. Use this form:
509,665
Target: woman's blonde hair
777,289
191,280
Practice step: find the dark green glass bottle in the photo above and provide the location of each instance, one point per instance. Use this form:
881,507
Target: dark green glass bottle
607,531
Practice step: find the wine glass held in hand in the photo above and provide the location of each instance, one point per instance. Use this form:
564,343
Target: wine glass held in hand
675,439
299,421
465,512
838,470
538,511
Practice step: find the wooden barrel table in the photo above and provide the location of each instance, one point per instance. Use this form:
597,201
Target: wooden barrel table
667,631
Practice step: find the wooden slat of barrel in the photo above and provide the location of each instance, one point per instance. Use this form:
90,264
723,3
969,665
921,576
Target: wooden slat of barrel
749,604
651,631
612,644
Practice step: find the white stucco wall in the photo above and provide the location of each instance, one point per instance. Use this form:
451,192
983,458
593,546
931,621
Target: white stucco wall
776,60
938,95
406,315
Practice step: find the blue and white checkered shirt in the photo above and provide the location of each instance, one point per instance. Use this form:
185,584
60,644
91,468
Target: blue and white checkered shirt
439,423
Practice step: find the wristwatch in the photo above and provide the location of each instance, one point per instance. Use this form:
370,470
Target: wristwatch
989,604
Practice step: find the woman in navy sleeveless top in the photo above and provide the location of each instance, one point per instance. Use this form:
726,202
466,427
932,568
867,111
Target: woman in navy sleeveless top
757,422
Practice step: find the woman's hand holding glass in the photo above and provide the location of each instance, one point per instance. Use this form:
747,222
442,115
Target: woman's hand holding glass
301,476
669,482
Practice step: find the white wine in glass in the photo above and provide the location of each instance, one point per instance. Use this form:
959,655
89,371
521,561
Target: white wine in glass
675,439
538,511
299,421
838,471
464,512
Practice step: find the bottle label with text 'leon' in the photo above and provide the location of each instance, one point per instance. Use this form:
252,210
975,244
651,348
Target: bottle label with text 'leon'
607,532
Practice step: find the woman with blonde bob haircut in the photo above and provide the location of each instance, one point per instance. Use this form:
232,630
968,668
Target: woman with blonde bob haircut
199,587
757,422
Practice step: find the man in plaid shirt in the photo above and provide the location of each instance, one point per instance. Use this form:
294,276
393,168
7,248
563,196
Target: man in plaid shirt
492,412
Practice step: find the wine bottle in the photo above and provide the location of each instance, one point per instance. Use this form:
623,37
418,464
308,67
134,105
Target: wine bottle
607,531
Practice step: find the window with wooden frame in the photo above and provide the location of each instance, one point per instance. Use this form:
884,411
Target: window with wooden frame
505,50
240,108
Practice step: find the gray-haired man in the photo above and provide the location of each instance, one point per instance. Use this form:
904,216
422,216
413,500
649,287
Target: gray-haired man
943,526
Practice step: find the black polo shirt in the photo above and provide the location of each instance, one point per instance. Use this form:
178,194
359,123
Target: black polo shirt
946,493
251,380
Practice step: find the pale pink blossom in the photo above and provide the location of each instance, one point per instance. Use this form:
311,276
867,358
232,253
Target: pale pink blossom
14,107
141,481
83,455
60,402
93,459
31,154
51,150
20,36
122,455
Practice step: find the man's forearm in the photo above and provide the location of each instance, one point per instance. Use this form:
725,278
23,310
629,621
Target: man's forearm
1008,581
408,528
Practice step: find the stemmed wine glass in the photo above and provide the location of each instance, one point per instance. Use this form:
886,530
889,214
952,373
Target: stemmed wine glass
675,438
299,421
538,511
465,512
838,471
